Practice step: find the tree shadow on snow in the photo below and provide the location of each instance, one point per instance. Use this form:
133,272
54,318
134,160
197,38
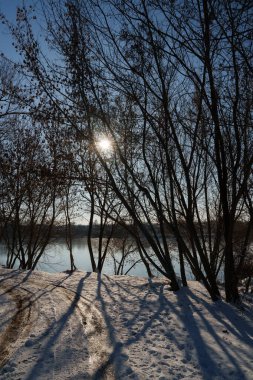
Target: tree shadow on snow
54,330
188,322
217,360
47,340
218,331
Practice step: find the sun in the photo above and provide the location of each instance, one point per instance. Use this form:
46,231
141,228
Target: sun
104,144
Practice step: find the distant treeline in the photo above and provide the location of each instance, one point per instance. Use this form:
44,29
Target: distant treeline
118,231
80,230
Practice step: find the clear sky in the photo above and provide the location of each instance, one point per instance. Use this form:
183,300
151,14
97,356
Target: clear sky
9,9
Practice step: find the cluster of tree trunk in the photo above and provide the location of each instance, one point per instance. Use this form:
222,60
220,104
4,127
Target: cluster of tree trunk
170,85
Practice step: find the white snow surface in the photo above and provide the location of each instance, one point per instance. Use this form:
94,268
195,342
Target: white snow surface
89,326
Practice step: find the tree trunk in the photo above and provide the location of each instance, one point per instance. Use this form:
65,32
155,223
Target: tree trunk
89,236
182,267
231,280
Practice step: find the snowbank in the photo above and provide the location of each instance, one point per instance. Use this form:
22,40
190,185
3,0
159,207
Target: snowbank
85,326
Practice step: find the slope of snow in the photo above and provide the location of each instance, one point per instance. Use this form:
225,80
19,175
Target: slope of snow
86,326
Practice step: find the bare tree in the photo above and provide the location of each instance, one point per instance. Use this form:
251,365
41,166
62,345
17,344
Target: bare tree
29,200
172,87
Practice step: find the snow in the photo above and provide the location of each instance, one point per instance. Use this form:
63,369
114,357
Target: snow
89,326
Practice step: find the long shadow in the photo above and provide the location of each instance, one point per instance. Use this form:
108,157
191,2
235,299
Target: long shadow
113,360
206,355
116,358
18,285
56,328
9,274
8,290
181,307
238,326
226,313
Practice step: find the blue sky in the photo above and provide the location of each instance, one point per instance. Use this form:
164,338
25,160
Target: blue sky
9,9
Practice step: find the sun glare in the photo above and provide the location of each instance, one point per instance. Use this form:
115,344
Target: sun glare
104,145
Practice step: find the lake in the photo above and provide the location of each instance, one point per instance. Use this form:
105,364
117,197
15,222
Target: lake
56,259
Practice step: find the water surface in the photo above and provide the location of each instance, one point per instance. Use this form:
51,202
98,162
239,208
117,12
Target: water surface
56,259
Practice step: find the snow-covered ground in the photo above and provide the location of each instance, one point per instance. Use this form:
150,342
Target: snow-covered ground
82,326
